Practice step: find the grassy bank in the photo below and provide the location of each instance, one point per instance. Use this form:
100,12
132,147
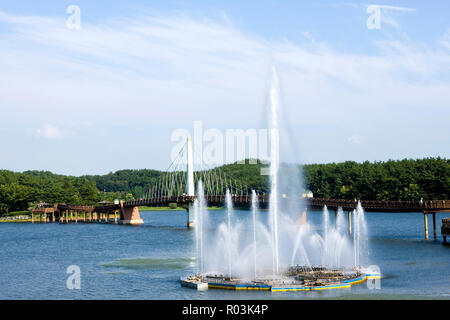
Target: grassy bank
15,221
17,216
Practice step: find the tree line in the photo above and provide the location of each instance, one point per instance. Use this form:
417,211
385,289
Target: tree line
390,180
19,191
406,179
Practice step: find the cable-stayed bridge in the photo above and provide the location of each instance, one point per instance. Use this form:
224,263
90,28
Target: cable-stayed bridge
177,186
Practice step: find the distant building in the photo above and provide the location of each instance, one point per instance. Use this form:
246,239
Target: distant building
42,205
308,194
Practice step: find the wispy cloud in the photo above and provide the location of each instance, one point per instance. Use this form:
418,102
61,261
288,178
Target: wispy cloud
387,15
445,40
396,8
50,132
355,139
165,71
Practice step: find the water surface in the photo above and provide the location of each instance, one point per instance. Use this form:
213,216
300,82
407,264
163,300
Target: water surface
145,262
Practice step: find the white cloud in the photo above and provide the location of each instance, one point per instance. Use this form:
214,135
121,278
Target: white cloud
387,14
356,139
395,8
50,132
445,40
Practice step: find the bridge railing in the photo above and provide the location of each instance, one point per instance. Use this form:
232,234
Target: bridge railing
345,204
183,199
428,205
43,210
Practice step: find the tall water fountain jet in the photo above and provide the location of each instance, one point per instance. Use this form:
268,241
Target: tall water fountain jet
299,247
200,215
254,209
274,168
198,242
326,230
326,221
359,234
340,221
355,238
229,202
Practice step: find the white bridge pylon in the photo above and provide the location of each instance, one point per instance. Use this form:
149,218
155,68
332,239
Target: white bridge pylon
181,178
190,185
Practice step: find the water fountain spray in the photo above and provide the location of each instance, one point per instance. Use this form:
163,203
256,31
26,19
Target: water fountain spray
274,167
254,209
284,252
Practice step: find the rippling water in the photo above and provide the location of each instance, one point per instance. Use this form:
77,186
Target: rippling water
145,262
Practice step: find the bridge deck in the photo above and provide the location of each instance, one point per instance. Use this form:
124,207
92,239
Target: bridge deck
428,206
101,213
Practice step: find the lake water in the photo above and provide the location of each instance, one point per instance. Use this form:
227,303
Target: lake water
146,262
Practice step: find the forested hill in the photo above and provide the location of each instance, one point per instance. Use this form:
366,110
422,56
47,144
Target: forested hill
390,180
136,182
20,190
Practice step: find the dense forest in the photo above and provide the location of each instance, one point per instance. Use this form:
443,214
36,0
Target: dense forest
136,182
390,180
18,191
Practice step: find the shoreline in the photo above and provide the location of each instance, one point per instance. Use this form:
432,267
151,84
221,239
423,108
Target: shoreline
10,219
17,221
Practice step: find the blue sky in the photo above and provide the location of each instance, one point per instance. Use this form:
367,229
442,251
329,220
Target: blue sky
108,96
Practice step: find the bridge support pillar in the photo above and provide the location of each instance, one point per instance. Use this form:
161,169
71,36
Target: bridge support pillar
434,226
130,215
425,220
190,216
190,187
350,222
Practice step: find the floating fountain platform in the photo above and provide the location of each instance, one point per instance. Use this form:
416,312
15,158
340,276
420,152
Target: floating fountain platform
297,278
194,282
